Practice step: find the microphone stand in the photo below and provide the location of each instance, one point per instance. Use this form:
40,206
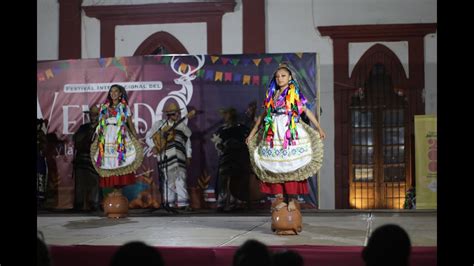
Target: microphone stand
163,172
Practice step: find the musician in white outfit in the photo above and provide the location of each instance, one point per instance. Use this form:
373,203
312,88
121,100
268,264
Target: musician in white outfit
173,156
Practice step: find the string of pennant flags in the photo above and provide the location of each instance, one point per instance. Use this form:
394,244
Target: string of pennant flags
209,75
236,77
256,61
119,62
224,60
51,72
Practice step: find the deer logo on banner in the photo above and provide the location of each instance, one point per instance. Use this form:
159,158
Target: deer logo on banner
184,95
186,78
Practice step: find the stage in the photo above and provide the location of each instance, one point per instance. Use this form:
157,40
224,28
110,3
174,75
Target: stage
209,238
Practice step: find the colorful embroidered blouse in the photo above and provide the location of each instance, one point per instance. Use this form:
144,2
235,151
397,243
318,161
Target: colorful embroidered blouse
113,116
290,102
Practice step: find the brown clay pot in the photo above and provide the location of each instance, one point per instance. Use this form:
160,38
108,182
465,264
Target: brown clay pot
286,222
196,198
116,205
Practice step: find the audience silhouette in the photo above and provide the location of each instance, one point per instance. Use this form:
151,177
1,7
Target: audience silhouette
137,253
287,258
252,253
42,251
389,245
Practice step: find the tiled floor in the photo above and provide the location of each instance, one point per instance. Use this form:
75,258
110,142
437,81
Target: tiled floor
209,229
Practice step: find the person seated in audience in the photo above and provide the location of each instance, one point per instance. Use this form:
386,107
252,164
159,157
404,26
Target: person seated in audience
287,258
252,253
389,245
42,252
137,253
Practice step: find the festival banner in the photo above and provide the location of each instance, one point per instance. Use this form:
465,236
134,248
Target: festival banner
205,83
426,150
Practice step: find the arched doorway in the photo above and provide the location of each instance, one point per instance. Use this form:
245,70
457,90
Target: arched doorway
345,86
160,43
380,169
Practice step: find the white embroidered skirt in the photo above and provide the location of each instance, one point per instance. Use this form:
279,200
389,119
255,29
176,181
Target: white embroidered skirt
295,162
110,164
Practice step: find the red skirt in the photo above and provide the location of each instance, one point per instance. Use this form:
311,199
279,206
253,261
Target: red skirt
289,188
117,180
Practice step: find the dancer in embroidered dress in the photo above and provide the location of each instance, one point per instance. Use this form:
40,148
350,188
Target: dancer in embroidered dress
116,151
287,151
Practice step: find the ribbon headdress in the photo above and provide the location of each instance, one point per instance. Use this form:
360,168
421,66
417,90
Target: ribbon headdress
120,112
294,102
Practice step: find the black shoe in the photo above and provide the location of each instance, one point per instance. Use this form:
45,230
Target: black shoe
225,209
185,208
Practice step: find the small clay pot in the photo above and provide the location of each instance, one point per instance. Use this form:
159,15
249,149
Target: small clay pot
116,205
286,222
196,198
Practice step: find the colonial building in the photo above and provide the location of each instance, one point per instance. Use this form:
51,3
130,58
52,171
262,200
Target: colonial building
377,65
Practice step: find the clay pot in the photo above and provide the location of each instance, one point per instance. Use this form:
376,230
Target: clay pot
196,198
286,222
116,205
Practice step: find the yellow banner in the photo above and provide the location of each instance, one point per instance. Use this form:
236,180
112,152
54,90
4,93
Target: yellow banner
214,59
183,67
257,61
218,76
49,73
426,162
246,80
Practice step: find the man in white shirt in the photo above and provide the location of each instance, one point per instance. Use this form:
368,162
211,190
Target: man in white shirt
170,142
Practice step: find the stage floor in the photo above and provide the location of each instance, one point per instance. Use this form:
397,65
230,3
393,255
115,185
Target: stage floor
211,229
